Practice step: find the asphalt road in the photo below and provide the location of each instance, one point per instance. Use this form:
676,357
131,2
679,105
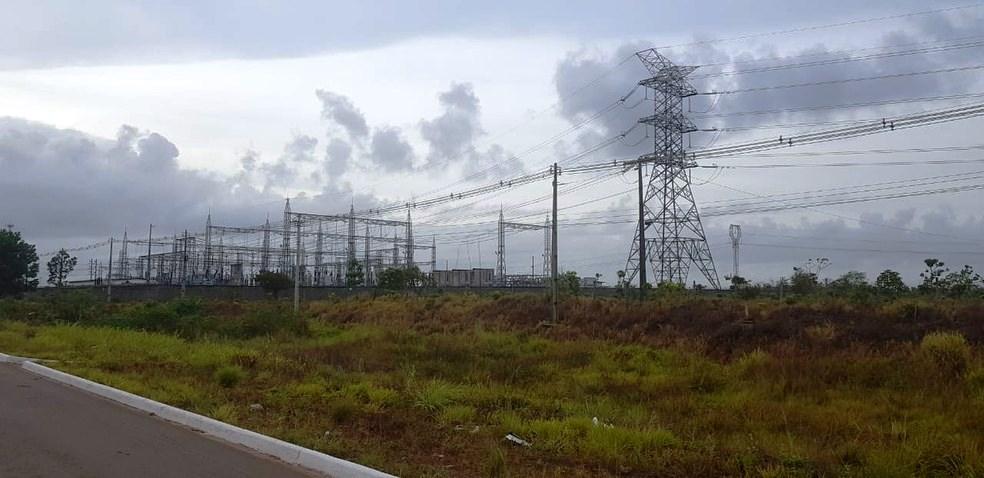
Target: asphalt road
52,430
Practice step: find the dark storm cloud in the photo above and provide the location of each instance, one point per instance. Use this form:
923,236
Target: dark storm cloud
62,184
880,241
619,71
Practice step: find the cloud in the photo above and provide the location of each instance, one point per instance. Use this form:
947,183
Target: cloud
340,110
451,138
390,150
453,133
611,75
898,241
285,172
63,185
338,153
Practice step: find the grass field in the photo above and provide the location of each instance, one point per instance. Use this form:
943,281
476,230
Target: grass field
429,386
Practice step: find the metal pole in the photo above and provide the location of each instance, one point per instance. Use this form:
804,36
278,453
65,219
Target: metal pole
184,265
642,238
109,274
150,236
297,271
553,245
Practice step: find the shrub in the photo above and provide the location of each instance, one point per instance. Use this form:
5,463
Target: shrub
229,376
948,351
274,282
437,395
343,408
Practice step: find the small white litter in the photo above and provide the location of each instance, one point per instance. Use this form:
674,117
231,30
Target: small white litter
599,423
517,440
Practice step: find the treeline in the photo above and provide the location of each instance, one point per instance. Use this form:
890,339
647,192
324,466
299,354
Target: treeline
936,280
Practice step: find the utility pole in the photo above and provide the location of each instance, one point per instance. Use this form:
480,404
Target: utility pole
642,238
409,239
433,253
297,270
734,231
109,274
366,271
553,246
150,237
184,265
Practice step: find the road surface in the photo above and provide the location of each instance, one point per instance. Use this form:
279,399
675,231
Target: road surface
48,429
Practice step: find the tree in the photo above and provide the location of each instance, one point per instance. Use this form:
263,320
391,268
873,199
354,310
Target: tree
18,264
569,283
737,282
802,281
354,277
850,280
933,277
59,267
963,281
890,282
396,278
273,282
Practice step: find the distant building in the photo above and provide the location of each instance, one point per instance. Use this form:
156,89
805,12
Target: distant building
463,278
590,282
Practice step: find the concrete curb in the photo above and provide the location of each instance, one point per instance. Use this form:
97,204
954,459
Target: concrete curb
4,358
287,452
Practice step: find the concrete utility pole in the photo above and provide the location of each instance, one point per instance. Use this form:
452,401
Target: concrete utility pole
642,238
297,271
109,274
553,245
734,231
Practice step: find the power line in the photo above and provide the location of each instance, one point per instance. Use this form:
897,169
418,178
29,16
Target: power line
842,60
821,27
845,80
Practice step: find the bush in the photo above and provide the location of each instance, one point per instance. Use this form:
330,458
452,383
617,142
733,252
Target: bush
948,351
229,376
437,395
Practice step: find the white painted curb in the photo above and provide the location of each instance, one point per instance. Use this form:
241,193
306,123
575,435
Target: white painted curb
287,452
4,358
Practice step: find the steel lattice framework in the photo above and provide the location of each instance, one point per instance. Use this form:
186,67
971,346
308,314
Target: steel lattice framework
677,237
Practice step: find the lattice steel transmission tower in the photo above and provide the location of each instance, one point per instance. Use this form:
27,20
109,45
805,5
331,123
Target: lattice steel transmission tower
669,235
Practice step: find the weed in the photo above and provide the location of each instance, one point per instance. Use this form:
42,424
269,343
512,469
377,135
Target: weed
948,351
436,396
495,463
458,414
229,376
343,409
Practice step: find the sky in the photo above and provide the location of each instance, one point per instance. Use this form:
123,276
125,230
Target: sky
115,115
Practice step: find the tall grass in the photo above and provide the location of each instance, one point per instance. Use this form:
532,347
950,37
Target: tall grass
430,386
